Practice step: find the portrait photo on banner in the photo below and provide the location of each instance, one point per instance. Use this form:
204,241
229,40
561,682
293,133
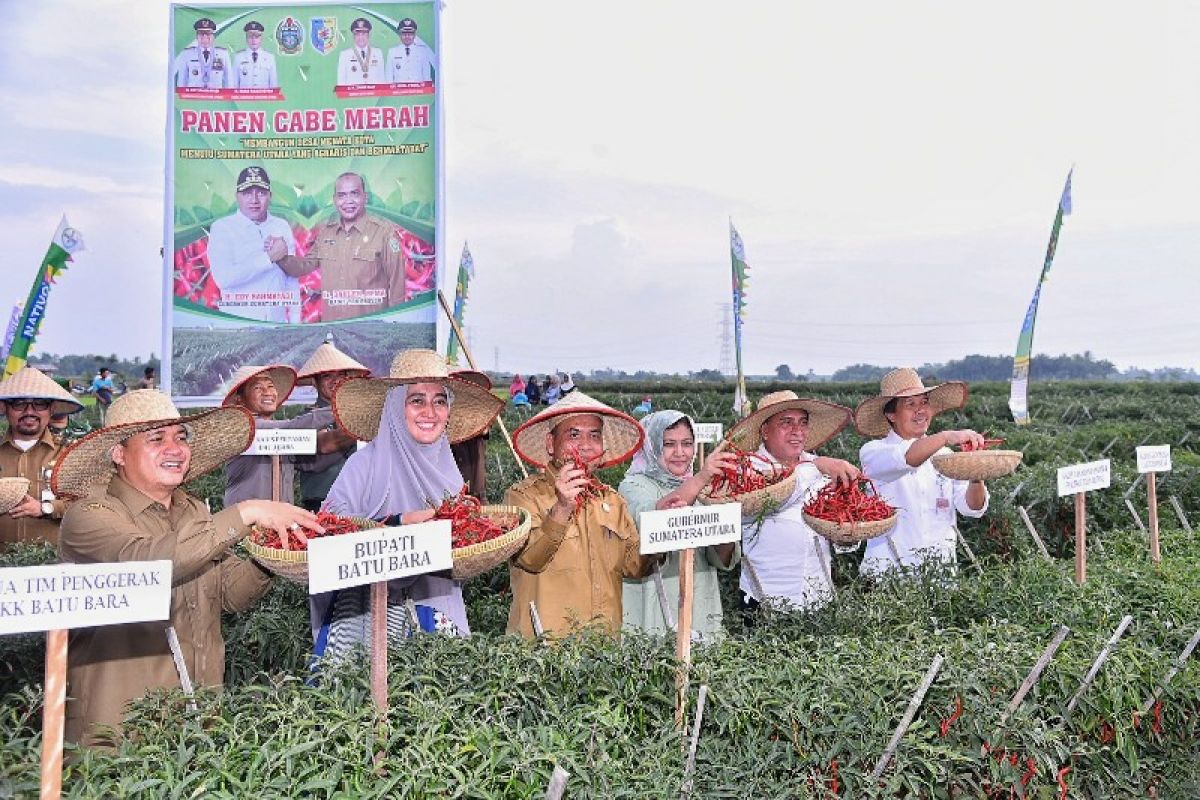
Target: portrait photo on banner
299,205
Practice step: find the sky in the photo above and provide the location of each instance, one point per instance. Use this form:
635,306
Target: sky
893,169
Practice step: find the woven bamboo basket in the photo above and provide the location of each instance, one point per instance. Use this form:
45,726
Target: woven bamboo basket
977,465
756,502
293,564
477,559
851,533
12,491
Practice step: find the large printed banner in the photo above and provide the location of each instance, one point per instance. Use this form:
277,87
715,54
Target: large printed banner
303,191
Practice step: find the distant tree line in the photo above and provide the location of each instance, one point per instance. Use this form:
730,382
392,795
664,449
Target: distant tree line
81,368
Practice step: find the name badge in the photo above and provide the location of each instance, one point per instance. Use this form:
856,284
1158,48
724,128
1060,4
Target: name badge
942,506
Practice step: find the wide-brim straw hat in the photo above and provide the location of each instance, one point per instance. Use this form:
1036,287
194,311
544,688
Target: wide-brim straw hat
33,384
217,436
474,376
328,358
905,382
824,419
358,402
283,376
621,433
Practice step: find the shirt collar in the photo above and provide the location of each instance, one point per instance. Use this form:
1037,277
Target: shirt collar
46,438
359,224
135,500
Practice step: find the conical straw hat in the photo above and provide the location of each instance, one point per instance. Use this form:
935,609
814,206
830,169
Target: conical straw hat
621,433
12,491
217,436
328,358
33,384
283,376
358,402
824,419
905,382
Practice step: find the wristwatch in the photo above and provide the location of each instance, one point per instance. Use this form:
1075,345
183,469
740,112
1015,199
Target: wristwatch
47,508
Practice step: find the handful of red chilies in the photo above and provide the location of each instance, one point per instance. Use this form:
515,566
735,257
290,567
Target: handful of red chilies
744,476
298,539
968,447
848,504
593,489
468,524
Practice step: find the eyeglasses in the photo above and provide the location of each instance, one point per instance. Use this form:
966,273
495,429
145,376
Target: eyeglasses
36,405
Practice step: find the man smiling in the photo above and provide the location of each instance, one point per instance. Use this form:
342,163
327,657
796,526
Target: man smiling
134,510
28,399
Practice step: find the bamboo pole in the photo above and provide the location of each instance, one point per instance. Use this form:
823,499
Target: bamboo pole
826,572
54,714
535,619
185,679
1152,500
683,635
379,644
1035,674
1099,662
913,704
1178,665
1183,520
462,342
1133,513
558,783
660,589
686,790
970,553
1080,538
1037,540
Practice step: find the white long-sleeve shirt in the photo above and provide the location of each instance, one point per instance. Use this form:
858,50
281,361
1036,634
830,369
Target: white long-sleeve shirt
782,549
410,63
926,499
252,286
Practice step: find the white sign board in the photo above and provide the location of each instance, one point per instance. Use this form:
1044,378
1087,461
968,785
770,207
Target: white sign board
380,554
1154,458
690,526
283,442
1084,477
708,432
57,596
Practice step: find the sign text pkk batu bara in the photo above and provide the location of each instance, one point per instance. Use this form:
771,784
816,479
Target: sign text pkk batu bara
58,596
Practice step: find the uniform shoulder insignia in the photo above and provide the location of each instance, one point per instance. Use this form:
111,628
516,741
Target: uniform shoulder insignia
92,506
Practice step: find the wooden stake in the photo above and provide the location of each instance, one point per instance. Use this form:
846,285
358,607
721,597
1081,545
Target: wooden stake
277,479
892,549
1152,500
826,572
558,783
906,720
535,620
686,790
1183,520
1099,662
970,553
1133,513
1080,538
379,644
1178,665
462,343
755,583
1037,540
54,714
185,679
1035,674
660,589
683,635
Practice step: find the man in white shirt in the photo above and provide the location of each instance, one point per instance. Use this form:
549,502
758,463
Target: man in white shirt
362,63
203,65
252,255
412,60
899,464
254,68
782,557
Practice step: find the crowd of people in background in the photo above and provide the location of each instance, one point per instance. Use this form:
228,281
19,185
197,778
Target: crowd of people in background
388,445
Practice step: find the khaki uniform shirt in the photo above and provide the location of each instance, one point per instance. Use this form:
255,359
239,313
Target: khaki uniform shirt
111,665
362,267
17,463
572,572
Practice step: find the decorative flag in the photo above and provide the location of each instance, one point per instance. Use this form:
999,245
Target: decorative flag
1018,401
466,271
14,319
66,242
741,270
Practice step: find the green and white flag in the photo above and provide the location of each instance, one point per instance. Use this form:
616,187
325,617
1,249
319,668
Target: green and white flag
65,243
741,272
1018,401
466,271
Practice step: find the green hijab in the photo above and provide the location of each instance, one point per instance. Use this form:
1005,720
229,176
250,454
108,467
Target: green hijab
648,460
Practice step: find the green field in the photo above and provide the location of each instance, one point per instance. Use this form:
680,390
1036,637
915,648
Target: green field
799,707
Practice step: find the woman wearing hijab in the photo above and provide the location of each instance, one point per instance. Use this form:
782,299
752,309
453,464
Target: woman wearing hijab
899,464
551,390
660,477
516,387
409,419
533,392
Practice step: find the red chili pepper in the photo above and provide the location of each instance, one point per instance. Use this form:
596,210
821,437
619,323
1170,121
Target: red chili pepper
332,523
750,473
946,723
968,447
849,504
1157,725
1062,783
468,524
834,785
594,488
